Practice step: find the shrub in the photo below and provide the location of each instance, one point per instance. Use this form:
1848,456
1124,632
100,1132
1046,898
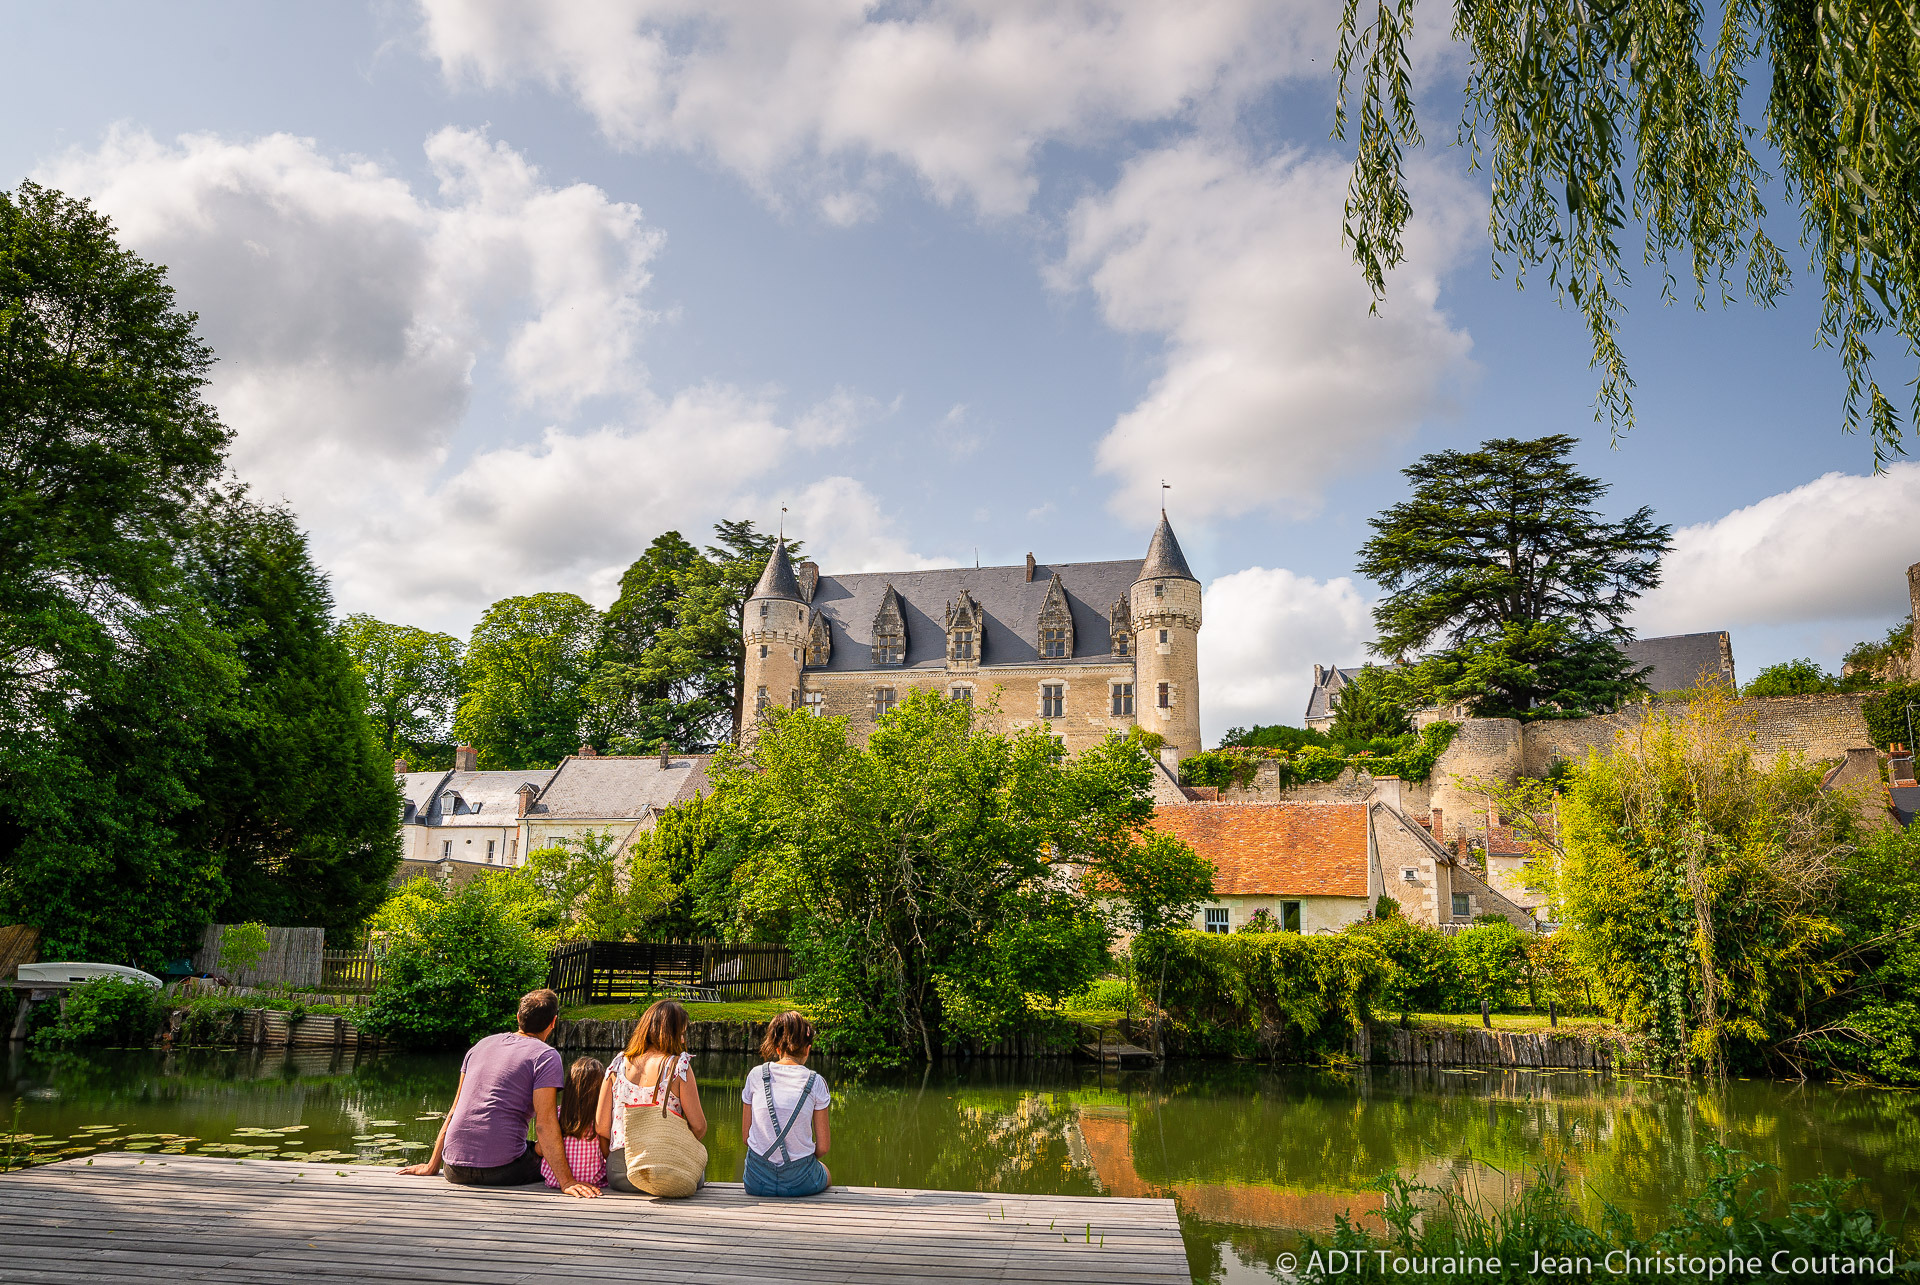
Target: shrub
1281,995
460,969
242,946
1490,959
107,1010
1260,921
1886,714
1791,678
1410,757
1422,976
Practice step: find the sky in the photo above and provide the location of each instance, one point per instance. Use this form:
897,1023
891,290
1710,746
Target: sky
501,291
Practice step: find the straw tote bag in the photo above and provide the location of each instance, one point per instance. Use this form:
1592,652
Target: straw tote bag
663,1156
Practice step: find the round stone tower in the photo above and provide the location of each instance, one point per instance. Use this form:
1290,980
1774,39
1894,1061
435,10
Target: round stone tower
1165,606
775,631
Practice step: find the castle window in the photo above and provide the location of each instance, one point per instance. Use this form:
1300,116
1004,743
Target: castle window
765,607
446,850
1289,916
1053,700
1163,637
815,702
796,655
890,649
1123,700
1119,644
1216,919
793,698
962,694
1159,591
763,651
963,644
759,700
1163,696
884,699
1053,642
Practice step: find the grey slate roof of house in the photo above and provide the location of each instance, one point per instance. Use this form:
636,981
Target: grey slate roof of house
485,798
1678,659
1320,700
611,787
1011,603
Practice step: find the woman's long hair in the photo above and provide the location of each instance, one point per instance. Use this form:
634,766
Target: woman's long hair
661,1029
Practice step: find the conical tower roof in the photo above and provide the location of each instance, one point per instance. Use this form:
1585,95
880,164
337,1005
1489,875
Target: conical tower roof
1164,559
777,580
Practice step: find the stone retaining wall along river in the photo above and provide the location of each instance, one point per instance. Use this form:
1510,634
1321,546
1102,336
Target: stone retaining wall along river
1477,1046
744,1037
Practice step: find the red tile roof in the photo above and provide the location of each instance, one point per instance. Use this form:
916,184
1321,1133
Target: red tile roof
1277,849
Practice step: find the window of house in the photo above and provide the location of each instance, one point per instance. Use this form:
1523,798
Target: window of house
759,700
1410,875
890,648
1053,700
1163,696
513,850
446,850
490,843
1217,919
815,702
1163,637
1289,916
1122,700
1460,907
884,699
449,804
1053,642
1119,644
962,694
963,644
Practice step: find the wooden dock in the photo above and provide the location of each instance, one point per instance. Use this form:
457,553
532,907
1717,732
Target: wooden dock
131,1218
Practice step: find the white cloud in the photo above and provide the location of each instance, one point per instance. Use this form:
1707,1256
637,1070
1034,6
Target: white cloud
962,93
1276,375
1836,548
846,530
1264,631
349,314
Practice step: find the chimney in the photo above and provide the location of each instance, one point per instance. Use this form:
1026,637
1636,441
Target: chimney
524,797
1319,676
586,751
1439,828
1170,759
1029,568
466,759
1386,789
666,755
808,574
399,767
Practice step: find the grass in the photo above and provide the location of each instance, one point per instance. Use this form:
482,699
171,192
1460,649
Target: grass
746,1010
1504,1021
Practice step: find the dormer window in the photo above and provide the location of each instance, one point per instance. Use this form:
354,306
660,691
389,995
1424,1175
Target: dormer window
1056,623
1120,626
889,649
449,804
963,644
890,631
966,621
1053,643
1120,645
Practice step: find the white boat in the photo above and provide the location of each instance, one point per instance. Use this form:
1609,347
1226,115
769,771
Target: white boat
75,972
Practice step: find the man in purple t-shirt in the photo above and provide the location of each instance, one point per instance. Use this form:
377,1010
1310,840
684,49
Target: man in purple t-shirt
505,1081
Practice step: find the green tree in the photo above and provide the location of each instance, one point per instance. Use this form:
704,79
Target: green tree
298,800
1368,707
587,886
456,964
919,877
526,674
1502,558
412,679
1792,678
110,674
1589,119
680,839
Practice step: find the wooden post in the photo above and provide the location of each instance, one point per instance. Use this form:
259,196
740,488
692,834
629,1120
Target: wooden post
1553,1018
1486,1019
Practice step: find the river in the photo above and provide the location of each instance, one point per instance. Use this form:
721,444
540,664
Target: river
1254,1157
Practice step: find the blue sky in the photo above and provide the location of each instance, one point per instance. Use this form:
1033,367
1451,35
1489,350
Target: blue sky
502,291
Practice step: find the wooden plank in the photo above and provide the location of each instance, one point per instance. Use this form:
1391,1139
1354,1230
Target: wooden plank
127,1217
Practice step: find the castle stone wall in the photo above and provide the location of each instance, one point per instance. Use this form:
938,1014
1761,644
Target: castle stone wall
1820,727
1088,697
1488,749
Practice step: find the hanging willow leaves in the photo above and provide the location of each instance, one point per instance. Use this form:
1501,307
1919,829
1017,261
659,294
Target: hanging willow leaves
1589,117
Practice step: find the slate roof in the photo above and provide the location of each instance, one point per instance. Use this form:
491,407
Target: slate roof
1011,603
777,578
610,787
1320,699
1275,849
1678,659
1164,559
485,798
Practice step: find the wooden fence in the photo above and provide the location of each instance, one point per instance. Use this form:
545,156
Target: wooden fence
349,970
19,944
292,958
608,972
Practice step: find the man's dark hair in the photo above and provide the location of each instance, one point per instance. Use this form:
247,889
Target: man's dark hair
537,1011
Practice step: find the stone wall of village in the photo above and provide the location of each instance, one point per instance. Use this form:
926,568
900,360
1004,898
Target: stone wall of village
1821,728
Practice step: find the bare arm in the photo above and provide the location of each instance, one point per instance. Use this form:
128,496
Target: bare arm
546,1129
822,1132
603,1117
431,1165
690,1105
746,1122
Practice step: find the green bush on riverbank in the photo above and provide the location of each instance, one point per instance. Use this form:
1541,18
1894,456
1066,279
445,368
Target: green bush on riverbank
1279,995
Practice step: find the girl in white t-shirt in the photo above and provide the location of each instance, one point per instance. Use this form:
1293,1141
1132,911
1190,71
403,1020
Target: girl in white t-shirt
783,1115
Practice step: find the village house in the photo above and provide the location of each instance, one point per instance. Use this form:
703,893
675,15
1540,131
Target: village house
457,824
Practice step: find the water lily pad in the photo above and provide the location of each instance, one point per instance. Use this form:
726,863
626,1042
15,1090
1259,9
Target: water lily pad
432,1115
69,1151
331,1155
408,1146
290,1128
141,1146
382,1124
149,1135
